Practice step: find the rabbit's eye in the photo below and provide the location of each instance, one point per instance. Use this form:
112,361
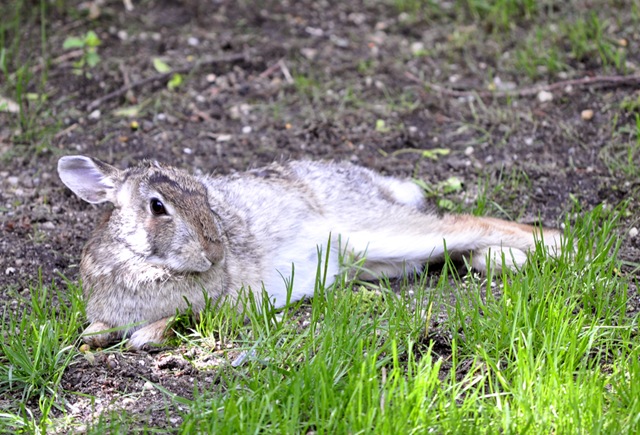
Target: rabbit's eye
157,207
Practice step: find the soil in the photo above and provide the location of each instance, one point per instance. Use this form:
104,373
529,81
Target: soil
304,79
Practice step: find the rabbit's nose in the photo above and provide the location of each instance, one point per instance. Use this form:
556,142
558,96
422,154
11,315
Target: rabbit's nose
204,263
213,252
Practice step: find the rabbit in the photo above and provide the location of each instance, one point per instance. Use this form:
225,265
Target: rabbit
171,237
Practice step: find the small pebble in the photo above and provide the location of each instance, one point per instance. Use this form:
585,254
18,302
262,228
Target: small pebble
417,48
112,363
633,232
357,18
193,41
314,31
468,151
95,114
545,96
187,151
94,11
13,180
148,386
339,42
239,110
309,53
586,115
48,225
247,129
10,271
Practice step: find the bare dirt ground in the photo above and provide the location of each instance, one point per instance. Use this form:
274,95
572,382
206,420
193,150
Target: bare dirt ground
288,80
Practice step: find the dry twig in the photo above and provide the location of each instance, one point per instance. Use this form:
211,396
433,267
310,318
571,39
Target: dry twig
532,90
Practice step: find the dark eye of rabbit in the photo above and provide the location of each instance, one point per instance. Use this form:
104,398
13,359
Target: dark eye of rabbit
157,207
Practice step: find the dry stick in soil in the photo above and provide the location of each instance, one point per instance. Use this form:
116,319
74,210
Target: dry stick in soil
164,76
533,90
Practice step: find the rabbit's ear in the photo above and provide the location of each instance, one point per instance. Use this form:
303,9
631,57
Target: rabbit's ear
90,179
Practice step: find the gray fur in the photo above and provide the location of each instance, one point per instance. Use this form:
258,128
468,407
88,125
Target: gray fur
247,230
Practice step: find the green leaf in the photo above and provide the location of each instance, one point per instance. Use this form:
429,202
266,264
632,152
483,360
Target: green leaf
92,59
446,204
435,152
381,126
91,39
73,42
451,184
160,65
79,64
32,96
128,112
176,80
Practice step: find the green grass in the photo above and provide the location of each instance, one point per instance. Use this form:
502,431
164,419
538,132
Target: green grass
39,337
543,41
552,47
549,349
498,14
357,373
622,153
545,354
537,57
24,70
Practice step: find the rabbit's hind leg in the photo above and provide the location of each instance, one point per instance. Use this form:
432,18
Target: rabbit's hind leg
500,243
404,242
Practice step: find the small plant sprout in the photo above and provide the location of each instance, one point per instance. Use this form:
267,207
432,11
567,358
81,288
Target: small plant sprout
89,45
162,67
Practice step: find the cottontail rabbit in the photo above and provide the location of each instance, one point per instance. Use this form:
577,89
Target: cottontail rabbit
173,236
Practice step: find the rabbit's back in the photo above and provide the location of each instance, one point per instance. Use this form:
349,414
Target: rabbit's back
344,185
305,187
286,214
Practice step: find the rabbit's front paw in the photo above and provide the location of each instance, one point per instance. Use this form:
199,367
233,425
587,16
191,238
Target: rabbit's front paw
93,338
153,333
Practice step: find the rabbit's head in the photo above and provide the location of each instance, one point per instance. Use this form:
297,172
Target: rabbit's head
162,215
